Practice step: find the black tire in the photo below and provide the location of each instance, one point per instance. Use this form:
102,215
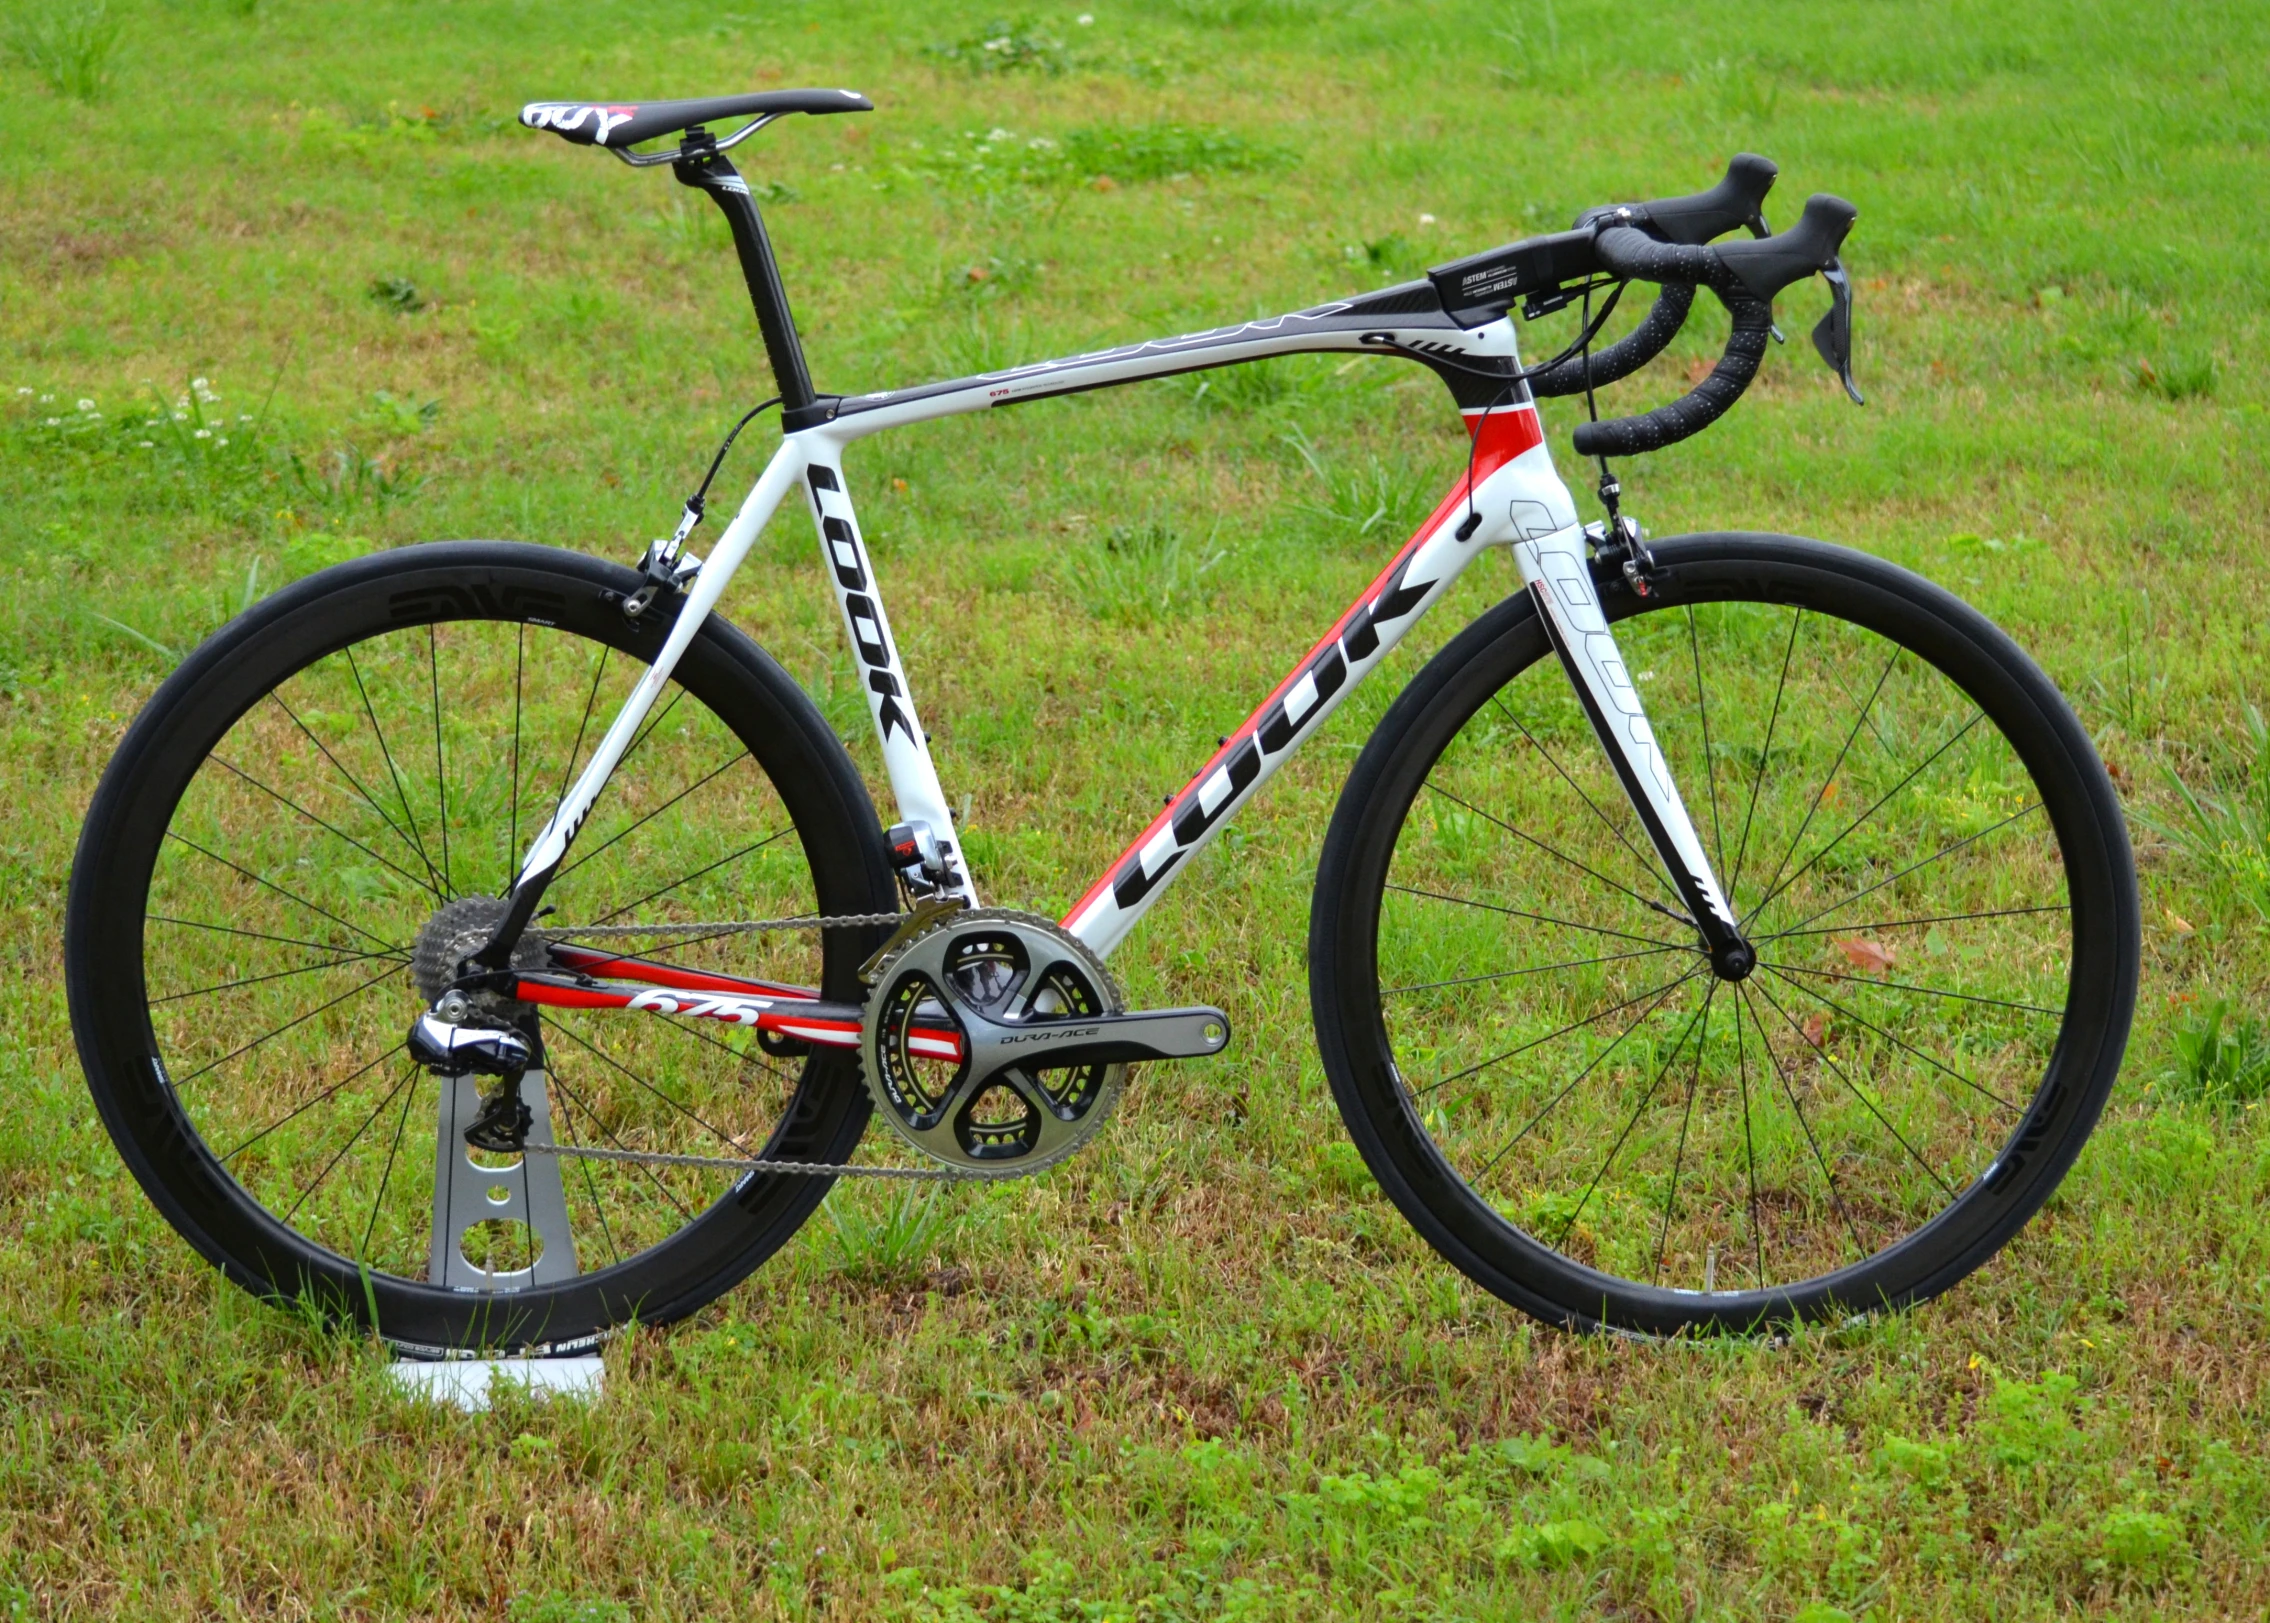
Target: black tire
1488,1162
346,873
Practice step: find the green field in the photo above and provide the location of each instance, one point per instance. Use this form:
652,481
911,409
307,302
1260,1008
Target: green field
282,283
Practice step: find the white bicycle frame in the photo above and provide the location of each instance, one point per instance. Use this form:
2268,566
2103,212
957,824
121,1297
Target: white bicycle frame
1511,497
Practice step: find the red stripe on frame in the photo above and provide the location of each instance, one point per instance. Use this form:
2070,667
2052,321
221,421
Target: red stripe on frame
587,961
935,1043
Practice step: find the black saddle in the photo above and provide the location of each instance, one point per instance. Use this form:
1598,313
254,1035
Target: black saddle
616,125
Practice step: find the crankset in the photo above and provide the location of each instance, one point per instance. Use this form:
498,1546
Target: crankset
997,1042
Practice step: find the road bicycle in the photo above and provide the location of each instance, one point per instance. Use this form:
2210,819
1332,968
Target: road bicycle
1722,931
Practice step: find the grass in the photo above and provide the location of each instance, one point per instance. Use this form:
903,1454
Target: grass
1203,1370
69,44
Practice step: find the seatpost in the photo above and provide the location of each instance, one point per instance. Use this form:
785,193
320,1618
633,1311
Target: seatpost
701,165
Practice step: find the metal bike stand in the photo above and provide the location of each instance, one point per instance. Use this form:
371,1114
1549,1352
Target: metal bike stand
527,1191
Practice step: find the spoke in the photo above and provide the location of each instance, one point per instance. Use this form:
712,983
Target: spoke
1909,924
1874,731
281,891
1710,761
293,805
1749,1152
355,991
1574,1025
1757,782
1904,986
1647,865
654,721
644,733
1524,834
723,1137
359,1071
352,1139
1883,1120
386,754
590,1188
1923,765
1534,969
1773,885
1862,1020
362,1252
277,975
569,938
1590,1066
256,935
581,727
1539,918
690,1028
684,879
1640,1110
1836,1200
441,773
512,812
1686,1118
650,816
592,1116
356,783
1947,851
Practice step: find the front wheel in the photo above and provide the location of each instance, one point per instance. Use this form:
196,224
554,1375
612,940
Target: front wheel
1531,1047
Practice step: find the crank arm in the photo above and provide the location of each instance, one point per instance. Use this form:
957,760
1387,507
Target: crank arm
1112,1039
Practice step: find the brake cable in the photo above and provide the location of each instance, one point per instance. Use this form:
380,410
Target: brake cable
1582,342
660,565
696,503
1610,490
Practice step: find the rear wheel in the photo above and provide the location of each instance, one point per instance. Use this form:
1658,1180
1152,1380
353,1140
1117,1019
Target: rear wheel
349,773
1531,1047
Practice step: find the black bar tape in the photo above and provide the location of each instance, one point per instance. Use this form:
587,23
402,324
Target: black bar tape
1631,253
1691,413
1628,353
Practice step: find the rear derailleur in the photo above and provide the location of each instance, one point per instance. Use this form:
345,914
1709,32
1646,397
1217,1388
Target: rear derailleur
448,1048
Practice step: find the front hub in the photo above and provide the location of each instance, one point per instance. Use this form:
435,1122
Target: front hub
1733,960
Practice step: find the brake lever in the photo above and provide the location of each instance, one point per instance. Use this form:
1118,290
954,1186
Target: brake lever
1757,226
1833,336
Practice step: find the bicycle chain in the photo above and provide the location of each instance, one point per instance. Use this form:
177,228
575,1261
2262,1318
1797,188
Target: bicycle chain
725,927
806,1169
722,1163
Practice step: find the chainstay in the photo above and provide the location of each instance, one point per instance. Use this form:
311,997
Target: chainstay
807,1169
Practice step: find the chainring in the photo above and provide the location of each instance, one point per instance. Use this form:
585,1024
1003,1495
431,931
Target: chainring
989,970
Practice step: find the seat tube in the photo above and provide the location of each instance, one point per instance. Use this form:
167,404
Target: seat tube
890,700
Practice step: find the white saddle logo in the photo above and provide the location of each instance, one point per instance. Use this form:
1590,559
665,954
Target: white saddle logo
567,115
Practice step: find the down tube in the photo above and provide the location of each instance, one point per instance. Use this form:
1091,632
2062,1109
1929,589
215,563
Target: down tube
1516,496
